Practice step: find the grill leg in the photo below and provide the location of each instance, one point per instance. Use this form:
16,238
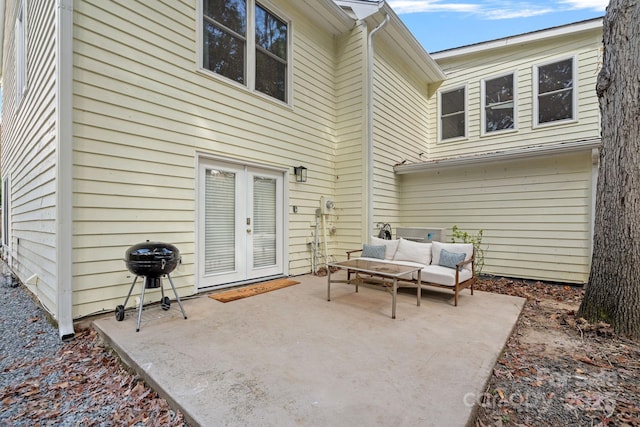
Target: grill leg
140,309
177,297
129,294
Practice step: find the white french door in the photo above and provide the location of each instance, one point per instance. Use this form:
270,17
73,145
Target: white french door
241,229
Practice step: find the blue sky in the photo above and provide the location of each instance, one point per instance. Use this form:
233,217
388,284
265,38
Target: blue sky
443,24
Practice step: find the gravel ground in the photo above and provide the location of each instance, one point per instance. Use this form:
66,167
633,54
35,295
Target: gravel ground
44,381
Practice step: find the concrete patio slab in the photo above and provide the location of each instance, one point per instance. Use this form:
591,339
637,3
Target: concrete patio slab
291,358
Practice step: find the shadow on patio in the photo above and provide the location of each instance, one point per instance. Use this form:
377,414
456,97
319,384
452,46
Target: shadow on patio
290,357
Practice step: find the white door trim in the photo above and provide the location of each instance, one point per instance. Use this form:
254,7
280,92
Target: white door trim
207,158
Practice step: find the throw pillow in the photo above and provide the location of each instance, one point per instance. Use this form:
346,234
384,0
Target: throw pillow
391,245
450,259
373,251
458,248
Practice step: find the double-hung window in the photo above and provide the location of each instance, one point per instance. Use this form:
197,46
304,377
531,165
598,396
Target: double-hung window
498,104
554,92
453,117
246,42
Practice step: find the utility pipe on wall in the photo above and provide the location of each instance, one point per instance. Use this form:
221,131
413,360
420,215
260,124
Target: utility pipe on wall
370,106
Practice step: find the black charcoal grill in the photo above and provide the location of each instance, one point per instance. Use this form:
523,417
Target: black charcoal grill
152,260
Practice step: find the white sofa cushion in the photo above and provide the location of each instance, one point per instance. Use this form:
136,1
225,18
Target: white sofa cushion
465,248
443,275
391,245
413,252
410,276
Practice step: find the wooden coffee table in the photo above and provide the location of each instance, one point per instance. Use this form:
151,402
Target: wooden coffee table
379,269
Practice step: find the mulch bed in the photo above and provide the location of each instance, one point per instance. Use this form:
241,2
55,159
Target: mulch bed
90,387
557,369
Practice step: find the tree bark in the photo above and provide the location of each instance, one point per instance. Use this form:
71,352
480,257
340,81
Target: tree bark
613,292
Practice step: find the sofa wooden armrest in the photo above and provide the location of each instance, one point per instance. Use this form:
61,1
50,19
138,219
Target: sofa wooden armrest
351,252
348,258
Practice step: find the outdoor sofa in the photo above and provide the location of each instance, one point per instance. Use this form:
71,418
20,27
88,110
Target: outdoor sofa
444,265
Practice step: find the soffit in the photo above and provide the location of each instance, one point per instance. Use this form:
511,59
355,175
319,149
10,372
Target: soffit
401,40
326,14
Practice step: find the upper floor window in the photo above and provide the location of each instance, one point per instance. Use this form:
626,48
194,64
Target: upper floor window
554,91
21,51
247,43
453,114
498,104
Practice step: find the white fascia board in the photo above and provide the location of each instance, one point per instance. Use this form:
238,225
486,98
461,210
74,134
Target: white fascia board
515,154
516,40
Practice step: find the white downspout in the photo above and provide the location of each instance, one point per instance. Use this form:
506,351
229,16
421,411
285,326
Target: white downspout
64,165
370,106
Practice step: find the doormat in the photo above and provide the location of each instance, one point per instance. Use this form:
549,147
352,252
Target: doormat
249,291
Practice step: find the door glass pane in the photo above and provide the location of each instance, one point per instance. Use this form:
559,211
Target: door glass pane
220,222
264,221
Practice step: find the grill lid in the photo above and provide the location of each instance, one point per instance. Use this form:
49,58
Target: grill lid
152,258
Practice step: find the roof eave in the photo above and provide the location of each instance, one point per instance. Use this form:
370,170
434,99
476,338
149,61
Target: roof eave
327,14
398,36
515,154
534,36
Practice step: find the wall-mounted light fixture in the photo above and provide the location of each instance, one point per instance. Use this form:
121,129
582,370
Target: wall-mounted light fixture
301,173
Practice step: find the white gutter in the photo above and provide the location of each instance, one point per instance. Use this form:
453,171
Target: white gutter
516,154
64,165
370,106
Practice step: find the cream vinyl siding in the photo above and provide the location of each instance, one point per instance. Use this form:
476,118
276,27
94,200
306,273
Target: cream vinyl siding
470,69
400,133
535,213
28,151
400,130
142,110
351,142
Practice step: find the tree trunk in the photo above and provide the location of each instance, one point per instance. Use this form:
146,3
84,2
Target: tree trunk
613,292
